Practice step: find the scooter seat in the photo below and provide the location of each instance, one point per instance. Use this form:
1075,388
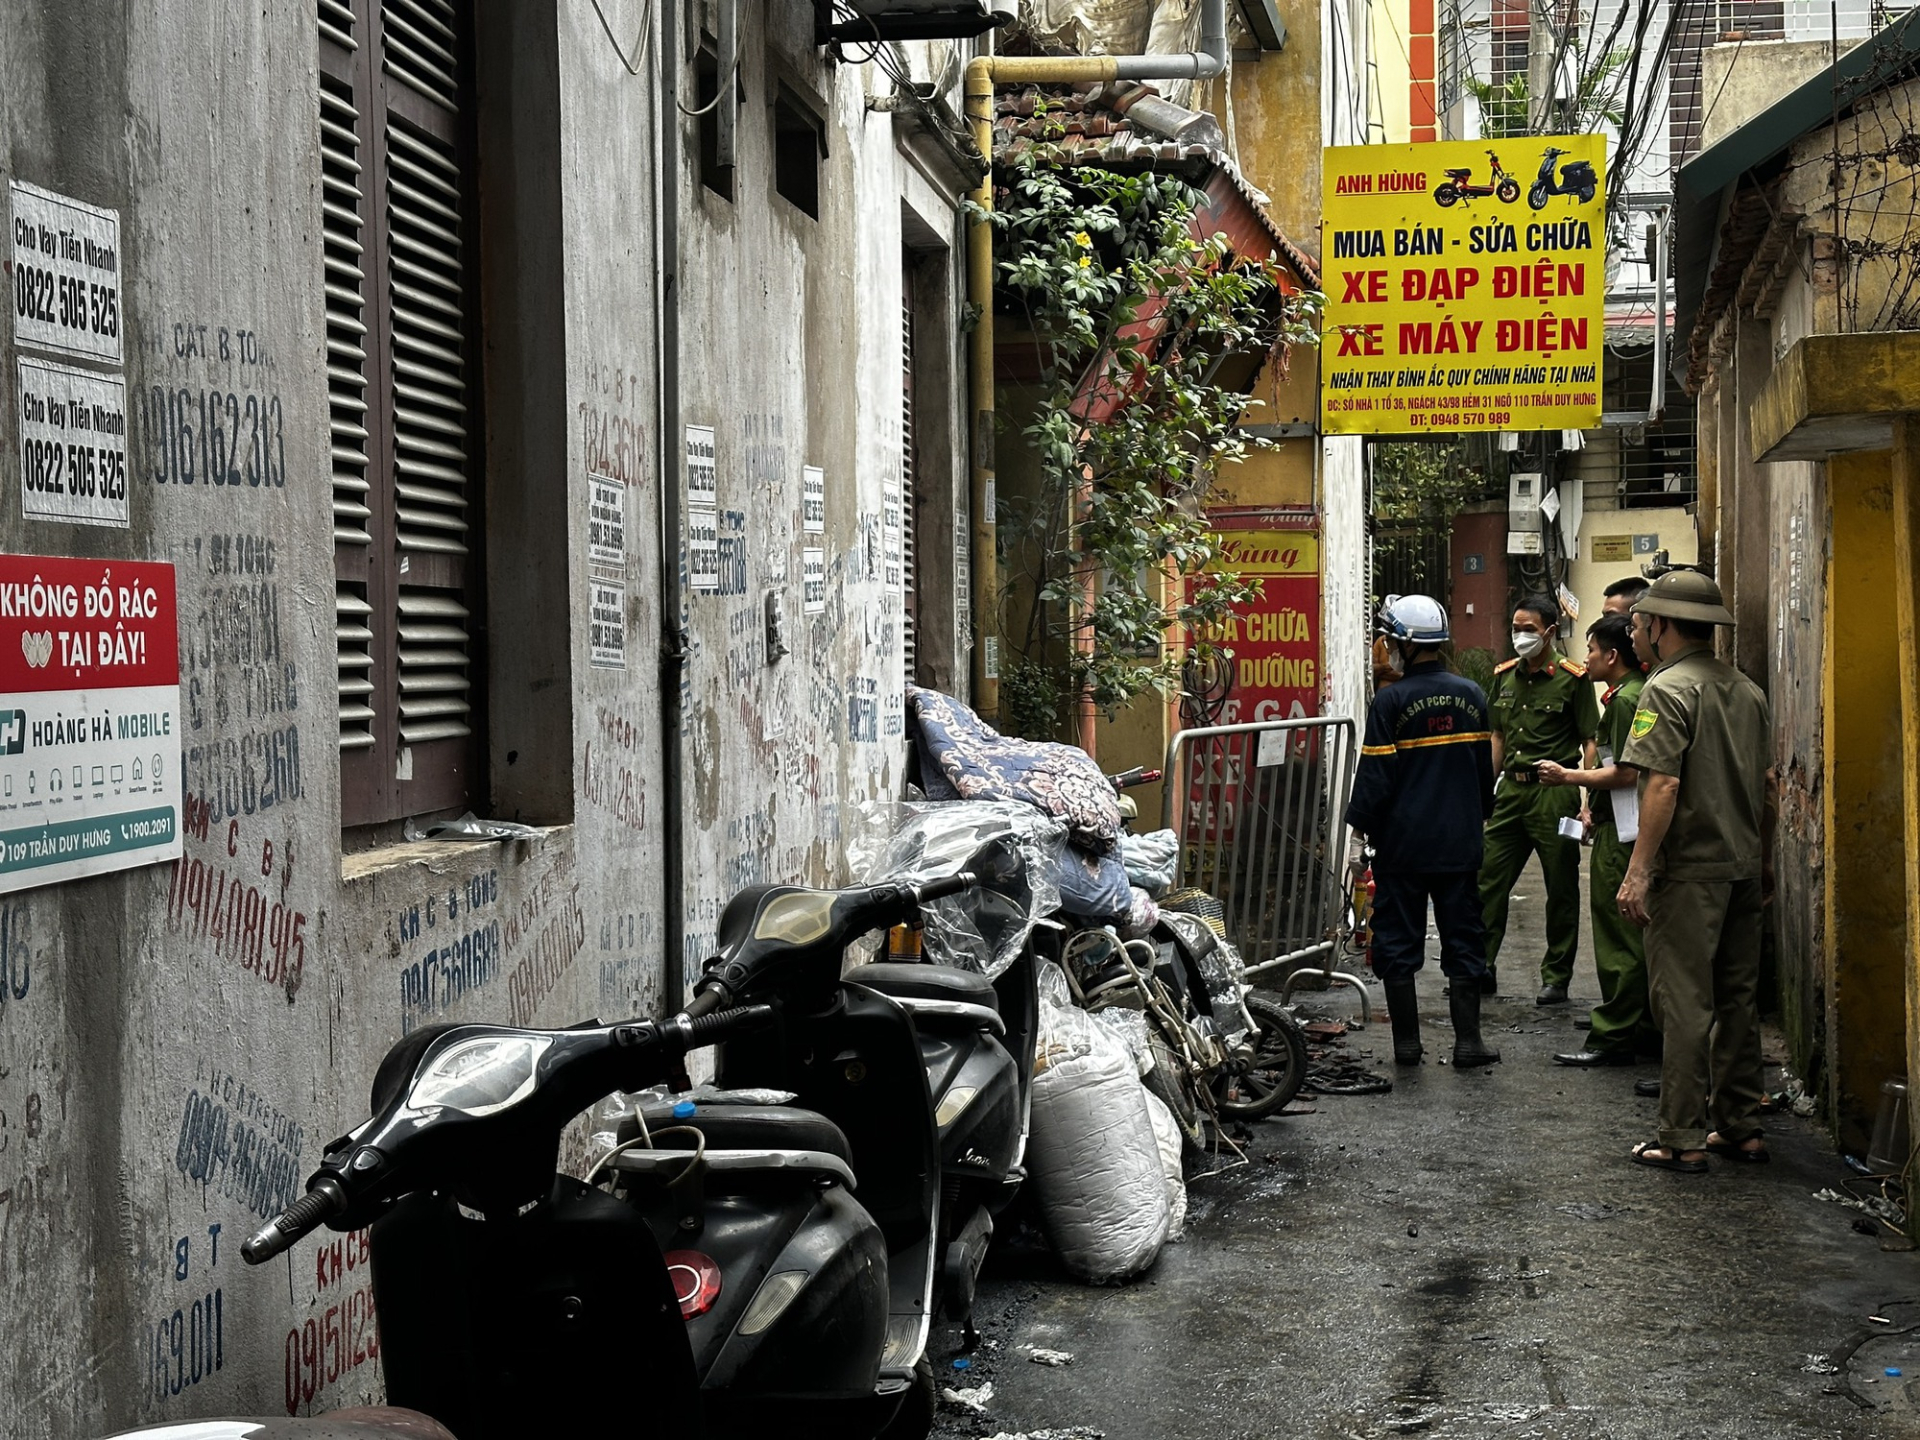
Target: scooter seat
744,1127
910,981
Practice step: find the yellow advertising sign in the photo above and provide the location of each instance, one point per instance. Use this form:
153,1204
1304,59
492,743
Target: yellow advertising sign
1462,295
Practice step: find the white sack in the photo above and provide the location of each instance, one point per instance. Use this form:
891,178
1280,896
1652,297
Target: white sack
1166,1130
1093,1159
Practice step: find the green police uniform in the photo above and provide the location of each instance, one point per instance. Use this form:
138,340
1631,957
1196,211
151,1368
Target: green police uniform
1704,723
1621,1021
1547,714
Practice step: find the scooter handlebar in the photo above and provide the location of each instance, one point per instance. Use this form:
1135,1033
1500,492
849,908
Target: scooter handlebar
307,1214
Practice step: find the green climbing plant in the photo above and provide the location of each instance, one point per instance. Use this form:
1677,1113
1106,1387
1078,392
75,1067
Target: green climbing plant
1133,318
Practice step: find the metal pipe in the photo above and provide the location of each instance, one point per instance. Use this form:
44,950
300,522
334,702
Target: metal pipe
983,74
672,453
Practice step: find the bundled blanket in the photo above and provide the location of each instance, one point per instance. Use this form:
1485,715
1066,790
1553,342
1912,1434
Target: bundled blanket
964,758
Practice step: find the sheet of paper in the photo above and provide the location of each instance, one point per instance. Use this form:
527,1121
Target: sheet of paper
1626,805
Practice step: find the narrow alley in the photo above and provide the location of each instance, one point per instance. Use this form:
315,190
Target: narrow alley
1472,1255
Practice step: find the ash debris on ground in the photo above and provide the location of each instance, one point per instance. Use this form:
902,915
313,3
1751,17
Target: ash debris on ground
1471,1255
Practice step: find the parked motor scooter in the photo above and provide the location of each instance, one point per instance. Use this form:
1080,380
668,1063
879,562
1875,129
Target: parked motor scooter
1459,185
896,1054
1576,178
500,1283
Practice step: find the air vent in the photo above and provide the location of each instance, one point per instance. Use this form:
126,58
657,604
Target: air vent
429,388
419,45
353,636
434,645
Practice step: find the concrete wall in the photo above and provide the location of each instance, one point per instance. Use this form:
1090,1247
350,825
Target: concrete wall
1672,529
1865,895
1739,80
158,1096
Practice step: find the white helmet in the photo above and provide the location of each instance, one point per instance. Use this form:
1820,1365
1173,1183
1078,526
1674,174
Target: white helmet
1417,620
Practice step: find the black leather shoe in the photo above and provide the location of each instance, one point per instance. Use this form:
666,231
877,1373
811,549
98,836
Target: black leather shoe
1649,1089
1587,1059
1551,995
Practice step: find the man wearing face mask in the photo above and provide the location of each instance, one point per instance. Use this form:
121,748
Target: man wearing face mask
1423,788
1700,741
1542,709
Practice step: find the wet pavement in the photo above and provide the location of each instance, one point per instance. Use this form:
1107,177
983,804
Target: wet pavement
1472,1255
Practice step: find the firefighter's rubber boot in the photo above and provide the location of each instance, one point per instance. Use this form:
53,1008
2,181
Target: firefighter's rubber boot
1403,1008
1468,1048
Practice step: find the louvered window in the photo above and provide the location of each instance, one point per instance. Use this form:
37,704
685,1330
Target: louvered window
397,186
909,609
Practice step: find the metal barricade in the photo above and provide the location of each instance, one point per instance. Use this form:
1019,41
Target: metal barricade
1260,814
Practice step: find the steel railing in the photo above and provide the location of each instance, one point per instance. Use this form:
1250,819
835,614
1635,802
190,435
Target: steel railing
1260,812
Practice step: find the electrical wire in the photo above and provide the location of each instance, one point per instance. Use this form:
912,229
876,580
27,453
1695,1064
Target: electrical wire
724,85
640,45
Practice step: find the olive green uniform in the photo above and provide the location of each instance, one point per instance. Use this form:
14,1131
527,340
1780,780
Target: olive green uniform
1547,714
1622,1020
1706,724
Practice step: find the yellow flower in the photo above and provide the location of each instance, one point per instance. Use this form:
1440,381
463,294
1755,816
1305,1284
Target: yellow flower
1083,240
1085,263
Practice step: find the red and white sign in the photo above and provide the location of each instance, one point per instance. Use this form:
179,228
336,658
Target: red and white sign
89,718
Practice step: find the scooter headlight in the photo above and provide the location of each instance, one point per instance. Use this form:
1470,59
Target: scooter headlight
952,1103
480,1076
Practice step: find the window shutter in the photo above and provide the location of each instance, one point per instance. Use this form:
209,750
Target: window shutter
399,348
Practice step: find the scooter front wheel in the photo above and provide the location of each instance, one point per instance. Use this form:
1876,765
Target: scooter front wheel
1272,1077
1508,191
1538,196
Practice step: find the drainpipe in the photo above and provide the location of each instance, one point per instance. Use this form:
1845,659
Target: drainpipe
984,72
672,453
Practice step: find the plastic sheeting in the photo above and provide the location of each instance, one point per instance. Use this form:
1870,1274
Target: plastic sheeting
1094,1162
981,930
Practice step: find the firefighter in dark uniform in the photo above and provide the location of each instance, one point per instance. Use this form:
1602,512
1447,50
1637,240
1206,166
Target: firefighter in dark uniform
1423,791
1542,708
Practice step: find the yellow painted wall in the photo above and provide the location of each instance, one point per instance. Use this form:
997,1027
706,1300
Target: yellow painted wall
1906,594
1391,70
1865,900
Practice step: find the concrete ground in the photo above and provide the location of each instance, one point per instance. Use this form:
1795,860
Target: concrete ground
1472,1255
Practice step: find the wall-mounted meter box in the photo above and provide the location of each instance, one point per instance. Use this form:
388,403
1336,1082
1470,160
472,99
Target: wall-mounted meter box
1525,491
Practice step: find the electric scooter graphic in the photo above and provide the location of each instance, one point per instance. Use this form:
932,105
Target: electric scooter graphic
1576,178
1459,185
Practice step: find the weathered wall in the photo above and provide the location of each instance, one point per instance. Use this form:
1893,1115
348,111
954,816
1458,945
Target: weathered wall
177,1043
1866,916
798,363
168,1073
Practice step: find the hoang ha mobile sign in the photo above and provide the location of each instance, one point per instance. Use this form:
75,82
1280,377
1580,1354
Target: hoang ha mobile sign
89,718
1466,286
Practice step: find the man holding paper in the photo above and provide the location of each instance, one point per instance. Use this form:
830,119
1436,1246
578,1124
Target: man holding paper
1621,1025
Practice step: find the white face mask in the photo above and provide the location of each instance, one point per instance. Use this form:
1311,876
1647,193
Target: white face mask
1526,644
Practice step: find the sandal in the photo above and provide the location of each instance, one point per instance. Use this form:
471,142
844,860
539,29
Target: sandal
1643,1155
1727,1150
